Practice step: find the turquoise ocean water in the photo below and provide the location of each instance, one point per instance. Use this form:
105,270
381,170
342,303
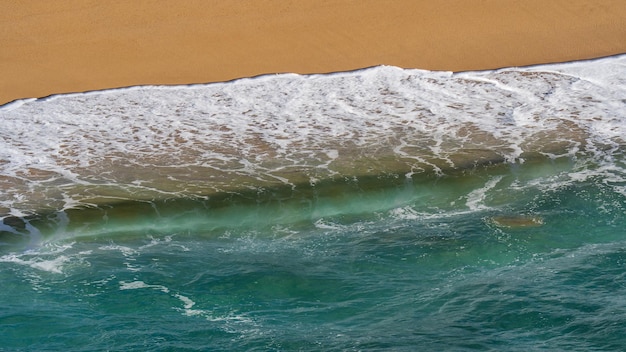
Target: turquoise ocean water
380,209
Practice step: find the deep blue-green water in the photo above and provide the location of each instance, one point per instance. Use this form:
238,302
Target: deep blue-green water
403,268
506,232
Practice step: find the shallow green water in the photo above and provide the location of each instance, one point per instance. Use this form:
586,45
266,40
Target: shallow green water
389,264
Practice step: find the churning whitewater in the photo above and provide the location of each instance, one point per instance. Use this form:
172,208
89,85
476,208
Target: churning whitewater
165,142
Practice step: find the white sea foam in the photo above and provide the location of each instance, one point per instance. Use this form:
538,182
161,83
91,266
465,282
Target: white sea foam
126,251
50,258
475,199
54,265
187,302
146,142
134,285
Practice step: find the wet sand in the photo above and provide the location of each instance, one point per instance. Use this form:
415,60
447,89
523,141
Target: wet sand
51,47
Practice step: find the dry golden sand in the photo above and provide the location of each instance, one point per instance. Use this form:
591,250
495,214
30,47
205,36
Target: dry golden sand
49,47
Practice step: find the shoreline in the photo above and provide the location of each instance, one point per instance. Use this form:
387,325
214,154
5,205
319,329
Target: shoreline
71,46
6,105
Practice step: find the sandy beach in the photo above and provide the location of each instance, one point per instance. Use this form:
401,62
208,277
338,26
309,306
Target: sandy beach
51,47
